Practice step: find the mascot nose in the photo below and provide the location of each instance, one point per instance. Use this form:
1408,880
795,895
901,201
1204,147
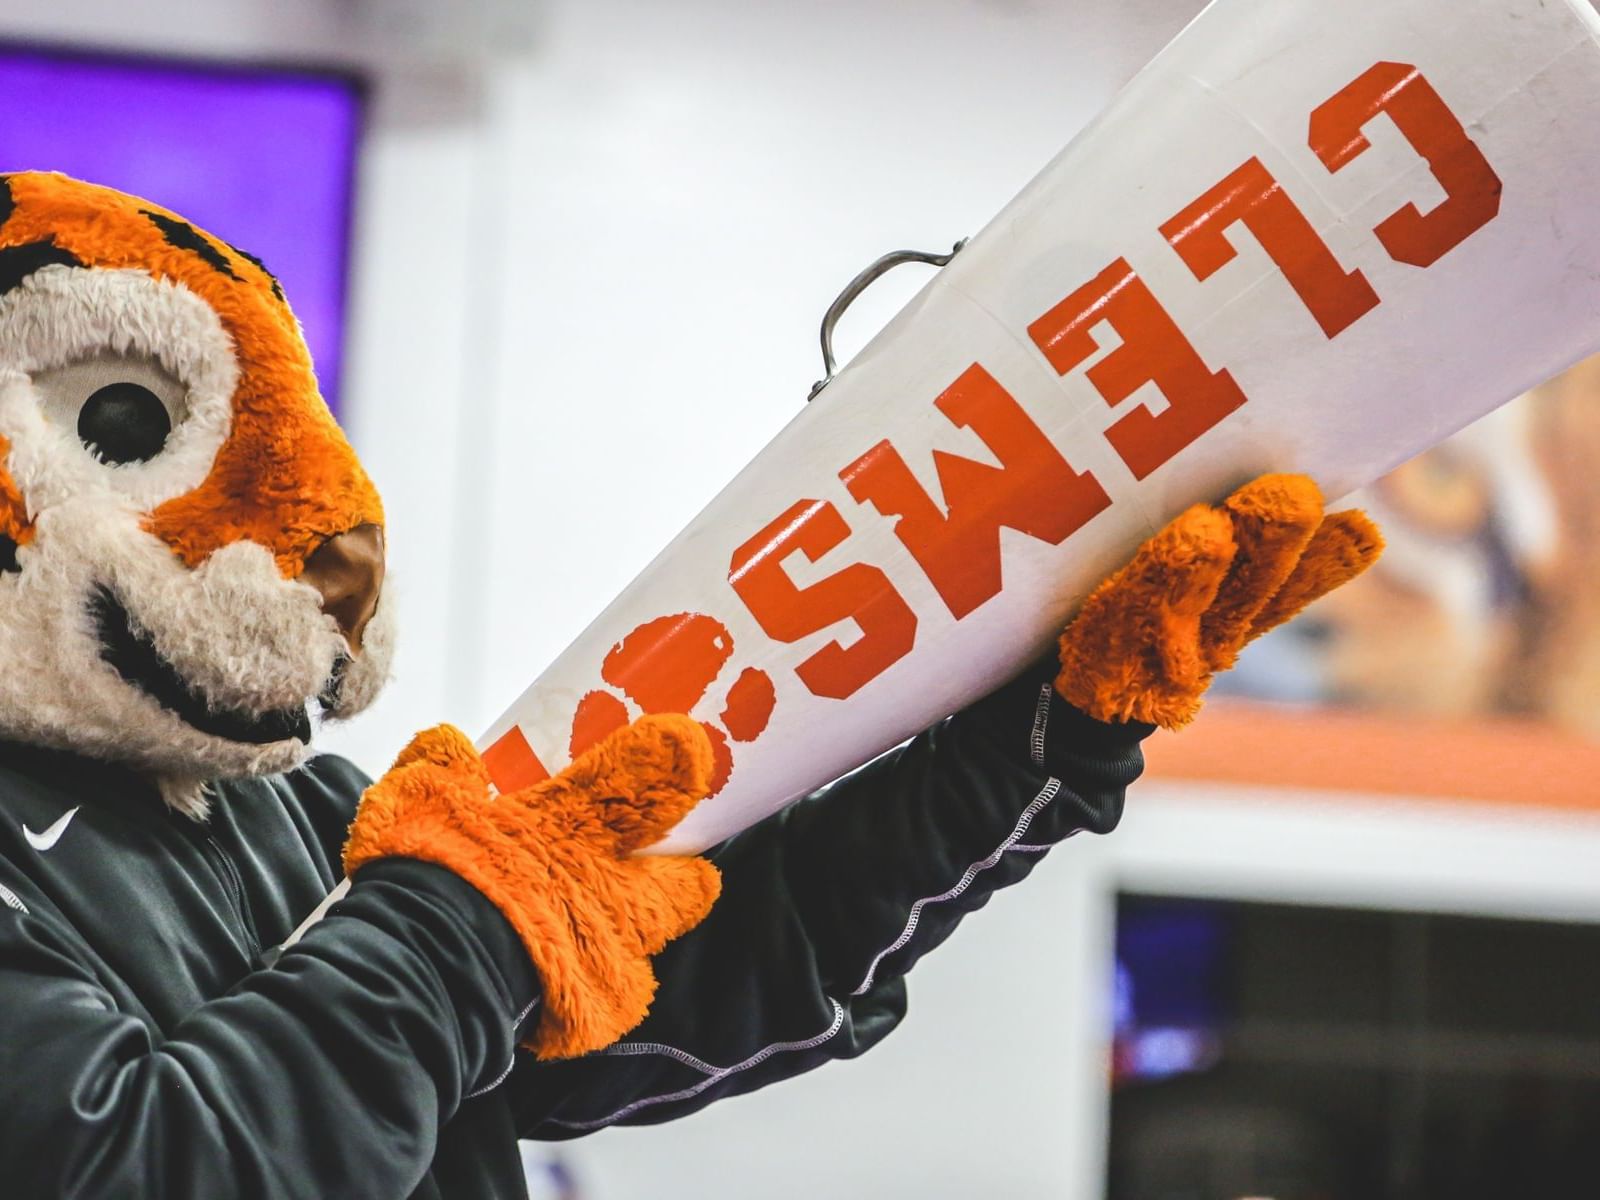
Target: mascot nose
348,571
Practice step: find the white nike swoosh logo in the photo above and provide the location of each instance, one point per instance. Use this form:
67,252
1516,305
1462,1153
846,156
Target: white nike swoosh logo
44,841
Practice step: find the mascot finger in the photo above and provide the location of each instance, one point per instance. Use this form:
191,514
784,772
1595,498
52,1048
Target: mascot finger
1133,651
442,746
669,897
1344,545
1149,640
1274,518
639,780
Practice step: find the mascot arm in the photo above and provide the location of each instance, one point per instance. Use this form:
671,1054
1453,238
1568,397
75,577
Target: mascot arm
328,1075
829,903
558,859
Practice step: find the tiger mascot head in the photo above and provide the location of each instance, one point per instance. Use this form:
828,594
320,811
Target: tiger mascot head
191,557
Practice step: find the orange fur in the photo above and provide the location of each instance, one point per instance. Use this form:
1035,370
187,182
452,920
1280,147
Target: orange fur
555,859
1273,520
1148,641
1345,544
286,477
1133,652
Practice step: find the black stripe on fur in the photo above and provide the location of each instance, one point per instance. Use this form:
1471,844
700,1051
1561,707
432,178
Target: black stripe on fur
186,237
277,289
18,262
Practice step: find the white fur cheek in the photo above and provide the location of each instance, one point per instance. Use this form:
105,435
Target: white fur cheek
49,466
236,629
369,671
57,690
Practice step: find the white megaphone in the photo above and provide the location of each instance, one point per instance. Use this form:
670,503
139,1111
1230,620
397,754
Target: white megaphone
1308,237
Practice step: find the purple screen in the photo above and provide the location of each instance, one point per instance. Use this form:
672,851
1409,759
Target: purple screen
263,159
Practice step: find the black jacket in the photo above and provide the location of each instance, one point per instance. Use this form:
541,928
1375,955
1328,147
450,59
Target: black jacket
145,1051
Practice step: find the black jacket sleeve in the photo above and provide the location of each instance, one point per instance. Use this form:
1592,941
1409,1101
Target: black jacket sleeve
827,904
328,1074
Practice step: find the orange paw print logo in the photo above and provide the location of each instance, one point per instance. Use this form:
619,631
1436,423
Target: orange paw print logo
668,665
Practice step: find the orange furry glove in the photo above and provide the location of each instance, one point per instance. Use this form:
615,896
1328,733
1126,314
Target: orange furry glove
556,859
1148,640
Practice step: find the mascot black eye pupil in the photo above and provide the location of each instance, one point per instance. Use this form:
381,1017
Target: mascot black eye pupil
124,423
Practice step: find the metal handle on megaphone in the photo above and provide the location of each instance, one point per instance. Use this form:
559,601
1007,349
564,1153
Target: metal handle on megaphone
859,284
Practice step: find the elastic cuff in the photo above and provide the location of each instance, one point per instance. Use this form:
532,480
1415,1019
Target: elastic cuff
1074,732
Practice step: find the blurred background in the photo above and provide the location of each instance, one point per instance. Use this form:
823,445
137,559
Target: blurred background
561,264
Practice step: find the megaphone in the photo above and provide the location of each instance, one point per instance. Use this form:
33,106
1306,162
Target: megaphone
1308,237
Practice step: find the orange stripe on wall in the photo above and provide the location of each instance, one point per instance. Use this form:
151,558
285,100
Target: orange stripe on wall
1481,761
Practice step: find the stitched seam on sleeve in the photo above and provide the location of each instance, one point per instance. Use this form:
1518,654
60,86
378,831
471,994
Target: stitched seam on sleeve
1040,802
633,1049
716,1076
516,1021
1042,847
1041,720
495,1082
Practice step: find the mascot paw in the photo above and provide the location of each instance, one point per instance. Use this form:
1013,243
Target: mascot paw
557,860
1149,640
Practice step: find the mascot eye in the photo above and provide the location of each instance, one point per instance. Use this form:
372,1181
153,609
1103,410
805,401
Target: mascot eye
124,422
123,408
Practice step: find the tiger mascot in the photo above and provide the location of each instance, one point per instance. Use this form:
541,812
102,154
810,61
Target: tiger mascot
191,565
